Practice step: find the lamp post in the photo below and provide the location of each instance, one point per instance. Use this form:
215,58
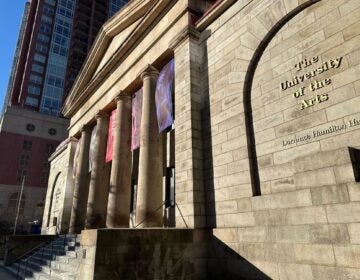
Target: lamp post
19,204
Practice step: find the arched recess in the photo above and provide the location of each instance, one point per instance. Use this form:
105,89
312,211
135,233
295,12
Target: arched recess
251,144
51,199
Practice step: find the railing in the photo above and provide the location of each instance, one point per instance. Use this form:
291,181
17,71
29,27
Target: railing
153,213
42,258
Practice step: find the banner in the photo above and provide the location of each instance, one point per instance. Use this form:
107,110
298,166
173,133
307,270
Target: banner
136,119
163,96
76,158
92,145
110,140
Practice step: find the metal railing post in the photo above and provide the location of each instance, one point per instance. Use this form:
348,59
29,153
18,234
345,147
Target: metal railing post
18,270
26,262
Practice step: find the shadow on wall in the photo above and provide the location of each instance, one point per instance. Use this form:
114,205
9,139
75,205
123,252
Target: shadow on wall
355,160
227,264
208,175
165,254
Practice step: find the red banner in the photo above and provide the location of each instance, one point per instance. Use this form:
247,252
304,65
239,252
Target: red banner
110,140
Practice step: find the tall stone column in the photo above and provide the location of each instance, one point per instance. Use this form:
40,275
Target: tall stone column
81,189
98,190
150,187
118,209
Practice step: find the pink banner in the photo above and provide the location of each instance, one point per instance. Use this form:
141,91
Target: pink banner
136,119
110,140
163,96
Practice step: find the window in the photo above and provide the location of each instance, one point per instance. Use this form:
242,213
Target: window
48,10
30,127
46,19
44,177
21,174
36,79
52,131
170,187
54,81
37,68
50,2
32,101
43,38
39,57
45,28
50,148
27,145
41,48
35,90
24,160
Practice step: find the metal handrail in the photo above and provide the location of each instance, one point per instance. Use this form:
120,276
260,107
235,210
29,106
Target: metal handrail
27,252
18,270
26,263
153,212
181,214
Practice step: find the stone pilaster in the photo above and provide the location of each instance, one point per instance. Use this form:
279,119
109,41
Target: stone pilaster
150,188
118,208
98,190
81,189
189,102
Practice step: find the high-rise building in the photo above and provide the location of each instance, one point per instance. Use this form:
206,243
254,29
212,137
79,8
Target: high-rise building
54,39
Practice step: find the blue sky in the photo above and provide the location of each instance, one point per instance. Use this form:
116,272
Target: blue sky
10,18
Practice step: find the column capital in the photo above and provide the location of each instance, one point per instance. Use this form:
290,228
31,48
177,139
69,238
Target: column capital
149,71
85,127
187,32
101,114
122,96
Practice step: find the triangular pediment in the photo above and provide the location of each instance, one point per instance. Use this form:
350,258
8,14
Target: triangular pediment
113,36
115,44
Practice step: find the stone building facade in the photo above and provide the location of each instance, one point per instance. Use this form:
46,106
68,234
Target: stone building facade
266,138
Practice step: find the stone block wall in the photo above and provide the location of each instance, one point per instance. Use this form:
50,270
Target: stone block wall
157,254
304,221
60,190
143,254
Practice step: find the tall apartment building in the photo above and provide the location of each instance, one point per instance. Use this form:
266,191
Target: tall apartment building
54,39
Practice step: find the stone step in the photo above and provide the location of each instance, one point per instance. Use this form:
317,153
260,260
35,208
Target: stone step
64,275
66,242
71,254
69,267
65,259
55,260
20,270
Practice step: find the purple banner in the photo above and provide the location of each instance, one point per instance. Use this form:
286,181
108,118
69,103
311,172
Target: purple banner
136,119
163,96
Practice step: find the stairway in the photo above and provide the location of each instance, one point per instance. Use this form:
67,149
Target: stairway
57,260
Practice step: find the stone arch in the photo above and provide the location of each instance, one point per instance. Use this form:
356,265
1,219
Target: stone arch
250,74
51,198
